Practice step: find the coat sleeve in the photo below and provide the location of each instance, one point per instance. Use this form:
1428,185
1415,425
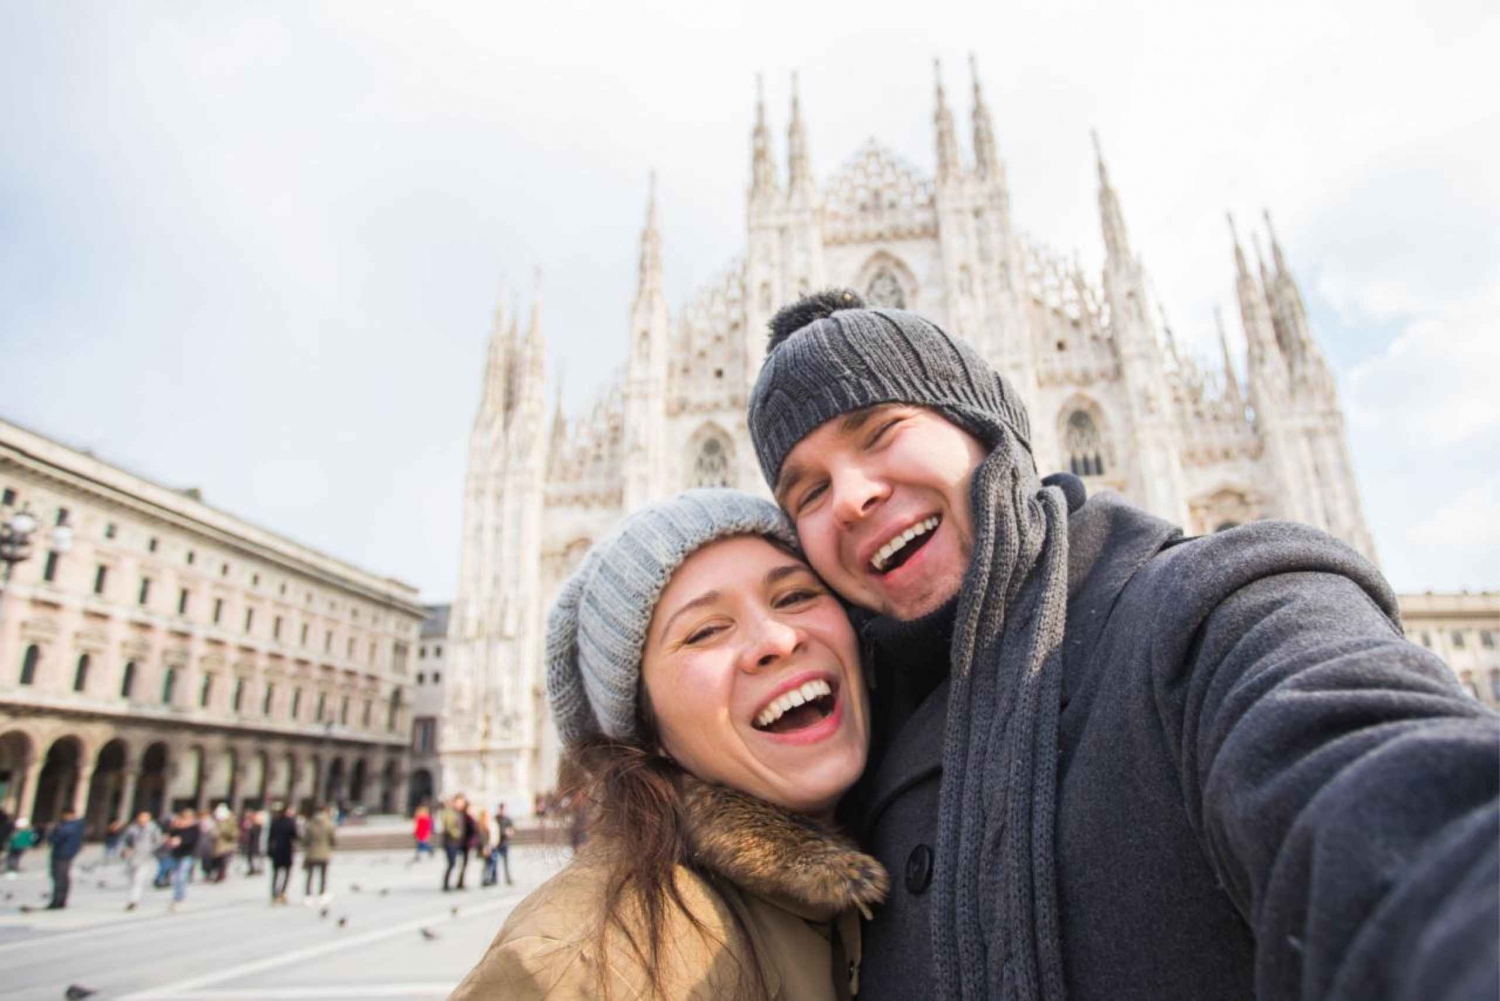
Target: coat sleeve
1345,788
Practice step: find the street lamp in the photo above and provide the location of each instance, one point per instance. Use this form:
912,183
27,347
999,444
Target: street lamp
15,543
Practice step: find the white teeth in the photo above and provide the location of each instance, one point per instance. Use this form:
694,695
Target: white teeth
789,700
892,547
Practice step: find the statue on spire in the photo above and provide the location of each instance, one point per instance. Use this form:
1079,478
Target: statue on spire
949,165
799,170
1111,218
986,156
762,169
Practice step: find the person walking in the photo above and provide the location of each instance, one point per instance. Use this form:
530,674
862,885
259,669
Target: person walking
21,838
184,837
66,840
422,832
319,839
458,838
503,830
138,847
485,846
252,834
113,832
281,841
226,839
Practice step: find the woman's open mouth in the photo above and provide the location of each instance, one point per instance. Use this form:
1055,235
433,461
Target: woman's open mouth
799,709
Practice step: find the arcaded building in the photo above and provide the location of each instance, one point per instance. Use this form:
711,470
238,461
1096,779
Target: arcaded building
169,653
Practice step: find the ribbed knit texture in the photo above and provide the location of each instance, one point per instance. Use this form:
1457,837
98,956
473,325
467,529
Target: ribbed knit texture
856,358
596,630
994,918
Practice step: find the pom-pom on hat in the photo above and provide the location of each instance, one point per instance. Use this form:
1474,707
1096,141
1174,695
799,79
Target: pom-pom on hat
596,631
830,354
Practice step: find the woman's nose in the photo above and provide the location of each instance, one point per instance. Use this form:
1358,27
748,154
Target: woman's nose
775,640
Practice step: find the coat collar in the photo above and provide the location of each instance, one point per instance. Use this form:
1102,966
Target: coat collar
790,860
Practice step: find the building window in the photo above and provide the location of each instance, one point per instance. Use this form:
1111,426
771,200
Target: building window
145,594
218,610
62,516
127,680
223,569
365,718
437,676
101,573
885,290
249,618
190,557
49,569
276,628
267,699
1084,445
1458,639
81,675
393,715
322,706
109,530
344,711
711,466
239,694
398,657
372,653
1487,639
206,690
304,634
421,678
328,641
8,499
421,652
296,702
169,686
151,545
1468,681
349,649
28,664
255,580
438,652
1426,638
283,587
182,601
422,731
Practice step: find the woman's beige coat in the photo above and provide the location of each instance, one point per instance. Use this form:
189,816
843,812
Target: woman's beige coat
798,889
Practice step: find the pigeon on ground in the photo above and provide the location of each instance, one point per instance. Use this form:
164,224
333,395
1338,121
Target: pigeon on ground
355,887
454,910
102,884
323,913
26,908
428,934
77,992
385,891
9,895
343,921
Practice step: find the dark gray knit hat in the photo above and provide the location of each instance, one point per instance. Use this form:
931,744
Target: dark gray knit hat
596,631
829,354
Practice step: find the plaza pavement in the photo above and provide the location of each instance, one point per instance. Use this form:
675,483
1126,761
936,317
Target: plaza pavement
226,943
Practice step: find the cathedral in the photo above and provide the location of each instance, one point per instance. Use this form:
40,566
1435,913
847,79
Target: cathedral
1110,397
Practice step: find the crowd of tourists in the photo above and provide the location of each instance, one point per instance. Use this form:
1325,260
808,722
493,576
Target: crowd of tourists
466,831
173,851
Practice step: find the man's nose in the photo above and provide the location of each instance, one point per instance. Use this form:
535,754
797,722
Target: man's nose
855,494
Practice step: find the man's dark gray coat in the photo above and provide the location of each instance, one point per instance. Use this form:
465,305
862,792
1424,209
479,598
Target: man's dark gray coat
1263,789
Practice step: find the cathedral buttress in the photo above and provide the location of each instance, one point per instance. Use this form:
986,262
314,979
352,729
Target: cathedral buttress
646,369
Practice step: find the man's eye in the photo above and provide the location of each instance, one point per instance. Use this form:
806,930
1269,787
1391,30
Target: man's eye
811,495
880,432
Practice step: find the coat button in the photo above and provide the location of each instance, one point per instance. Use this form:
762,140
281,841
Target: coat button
918,869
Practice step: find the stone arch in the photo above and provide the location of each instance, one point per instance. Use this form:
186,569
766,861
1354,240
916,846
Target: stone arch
57,786
257,781
333,785
186,785
886,281
388,787
419,789
358,777
107,787
711,458
1226,506
18,752
151,787
1085,444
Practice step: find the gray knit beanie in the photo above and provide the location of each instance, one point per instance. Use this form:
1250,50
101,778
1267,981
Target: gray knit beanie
596,631
829,354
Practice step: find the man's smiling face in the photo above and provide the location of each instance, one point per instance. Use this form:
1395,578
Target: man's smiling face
880,497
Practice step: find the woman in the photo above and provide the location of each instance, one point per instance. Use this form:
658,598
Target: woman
281,842
708,690
422,831
318,841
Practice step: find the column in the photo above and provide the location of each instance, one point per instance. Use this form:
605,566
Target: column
27,787
81,789
127,792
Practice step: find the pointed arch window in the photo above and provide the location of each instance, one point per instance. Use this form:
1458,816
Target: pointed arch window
711,464
28,664
1083,445
885,290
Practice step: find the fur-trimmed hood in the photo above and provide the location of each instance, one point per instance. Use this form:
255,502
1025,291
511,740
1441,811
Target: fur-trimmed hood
785,857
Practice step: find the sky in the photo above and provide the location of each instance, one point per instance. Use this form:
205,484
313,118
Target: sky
256,248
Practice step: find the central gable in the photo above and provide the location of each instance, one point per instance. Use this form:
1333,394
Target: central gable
876,195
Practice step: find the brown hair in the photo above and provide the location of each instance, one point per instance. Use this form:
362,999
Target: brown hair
634,797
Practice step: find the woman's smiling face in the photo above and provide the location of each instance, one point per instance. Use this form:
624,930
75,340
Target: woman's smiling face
753,675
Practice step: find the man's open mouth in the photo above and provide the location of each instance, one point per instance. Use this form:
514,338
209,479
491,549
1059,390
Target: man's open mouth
806,705
903,546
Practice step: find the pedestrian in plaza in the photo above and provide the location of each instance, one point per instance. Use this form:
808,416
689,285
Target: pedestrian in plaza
318,841
709,693
226,840
281,842
66,840
486,846
422,831
139,844
183,839
1112,761
207,831
458,839
21,838
113,831
252,835
504,830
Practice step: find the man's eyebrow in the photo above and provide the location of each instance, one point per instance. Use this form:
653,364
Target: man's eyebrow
787,480
848,424
706,598
776,574
856,419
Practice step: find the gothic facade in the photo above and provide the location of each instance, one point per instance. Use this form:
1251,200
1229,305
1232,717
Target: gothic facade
1110,397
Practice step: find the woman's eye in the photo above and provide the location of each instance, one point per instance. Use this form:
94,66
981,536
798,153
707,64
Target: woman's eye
798,597
701,633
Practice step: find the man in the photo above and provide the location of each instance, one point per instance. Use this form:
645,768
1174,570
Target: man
505,829
138,847
1114,762
318,843
281,843
183,838
459,831
66,840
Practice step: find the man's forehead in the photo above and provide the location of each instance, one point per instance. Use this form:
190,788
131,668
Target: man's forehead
801,458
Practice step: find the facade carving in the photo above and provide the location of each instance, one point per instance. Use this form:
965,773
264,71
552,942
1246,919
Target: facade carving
1110,395
175,654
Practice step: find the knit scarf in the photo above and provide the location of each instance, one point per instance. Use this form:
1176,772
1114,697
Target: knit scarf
994,922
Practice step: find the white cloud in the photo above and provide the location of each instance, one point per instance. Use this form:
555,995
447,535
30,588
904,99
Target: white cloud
1470,519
